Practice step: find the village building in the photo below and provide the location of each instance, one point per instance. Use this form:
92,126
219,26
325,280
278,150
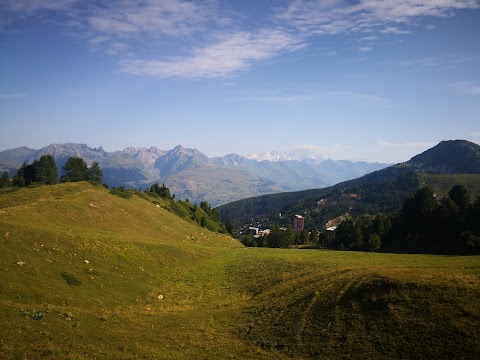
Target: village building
298,222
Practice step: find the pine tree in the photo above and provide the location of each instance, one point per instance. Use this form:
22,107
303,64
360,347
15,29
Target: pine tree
229,226
95,174
75,169
164,191
45,170
459,194
4,180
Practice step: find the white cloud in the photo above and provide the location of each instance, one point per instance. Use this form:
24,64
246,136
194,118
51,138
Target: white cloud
368,38
338,16
33,6
14,10
128,29
109,25
365,49
467,87
174,18
394,30
146,23
231,53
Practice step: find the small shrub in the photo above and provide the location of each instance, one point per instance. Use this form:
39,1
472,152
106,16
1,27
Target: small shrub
38,315
121,192
33,314
71,279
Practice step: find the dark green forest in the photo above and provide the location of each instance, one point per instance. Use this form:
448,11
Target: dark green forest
375,185
425,224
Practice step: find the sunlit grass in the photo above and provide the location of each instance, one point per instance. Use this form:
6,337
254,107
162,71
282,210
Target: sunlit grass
155,286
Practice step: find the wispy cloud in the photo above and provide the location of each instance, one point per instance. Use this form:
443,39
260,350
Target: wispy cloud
467,87
130,29
33,6
231,53
406,145
365,49
12,11
333,151
330,53
426,61
161,18
338,16
313,148
290,96
369,38
394,30
441,61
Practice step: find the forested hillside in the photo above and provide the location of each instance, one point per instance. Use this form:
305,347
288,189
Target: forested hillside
381,191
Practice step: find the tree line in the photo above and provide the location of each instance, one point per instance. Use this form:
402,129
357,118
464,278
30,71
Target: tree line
282,237
204,215
357,199
44,171
424,224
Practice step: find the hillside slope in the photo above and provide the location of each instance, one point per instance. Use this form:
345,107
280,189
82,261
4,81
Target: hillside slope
380,191
449,157
86,274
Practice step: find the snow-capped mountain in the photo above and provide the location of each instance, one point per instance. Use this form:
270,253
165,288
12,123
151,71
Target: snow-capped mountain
191,174
295,154
270,156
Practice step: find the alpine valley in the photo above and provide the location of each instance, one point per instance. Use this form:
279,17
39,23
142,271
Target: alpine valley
192,175
452,162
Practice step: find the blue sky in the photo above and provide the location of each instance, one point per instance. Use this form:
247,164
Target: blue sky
361,80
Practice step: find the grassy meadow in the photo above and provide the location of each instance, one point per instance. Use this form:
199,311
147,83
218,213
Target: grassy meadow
89,275
443,183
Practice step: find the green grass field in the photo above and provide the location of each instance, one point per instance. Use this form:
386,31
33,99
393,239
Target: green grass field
83,271
443,183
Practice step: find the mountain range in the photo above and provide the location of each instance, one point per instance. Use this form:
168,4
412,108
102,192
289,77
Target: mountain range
383,190
192,175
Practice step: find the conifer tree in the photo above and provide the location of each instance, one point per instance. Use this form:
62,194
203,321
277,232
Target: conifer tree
95,174
4,180
229,226
45,170
75,169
